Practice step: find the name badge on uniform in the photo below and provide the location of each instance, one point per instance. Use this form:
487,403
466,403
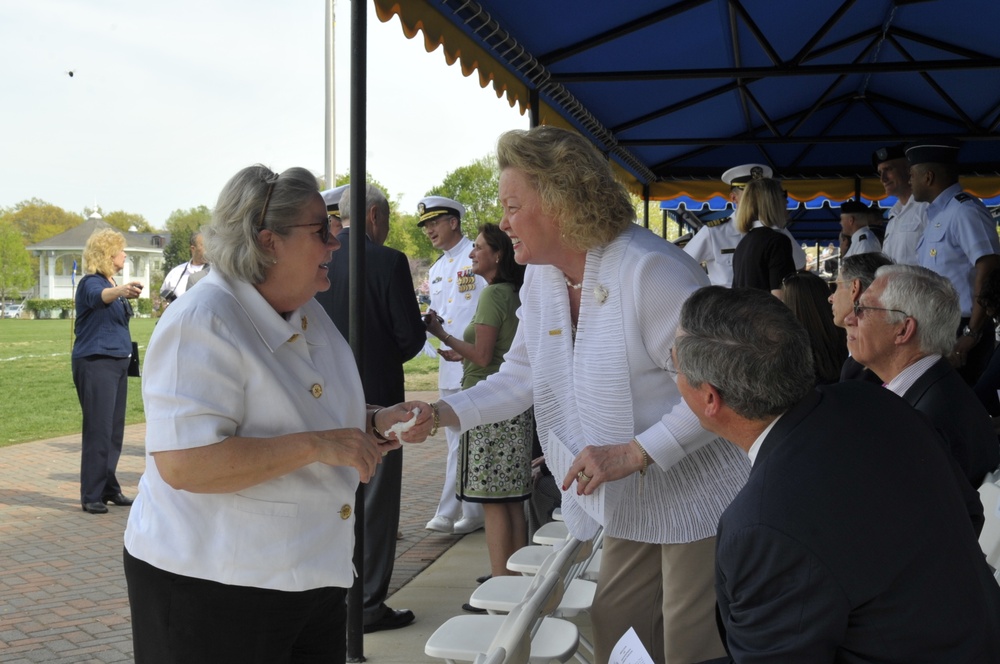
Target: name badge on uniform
728,251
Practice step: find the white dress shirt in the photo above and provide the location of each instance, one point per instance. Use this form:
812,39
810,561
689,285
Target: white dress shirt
902,232
863,241
908,376
222,363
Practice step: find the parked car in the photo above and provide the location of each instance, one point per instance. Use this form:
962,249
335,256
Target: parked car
13,310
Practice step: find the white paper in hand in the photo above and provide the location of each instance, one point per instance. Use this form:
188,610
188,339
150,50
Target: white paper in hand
401,427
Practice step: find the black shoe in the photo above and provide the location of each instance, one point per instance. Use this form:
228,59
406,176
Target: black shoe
95,508
392,619
120,499
471,609
484,578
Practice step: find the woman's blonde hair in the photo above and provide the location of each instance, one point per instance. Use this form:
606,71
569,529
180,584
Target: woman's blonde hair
762,200
99,252
574,181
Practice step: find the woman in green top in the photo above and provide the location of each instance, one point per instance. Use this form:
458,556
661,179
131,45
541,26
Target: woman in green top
494,459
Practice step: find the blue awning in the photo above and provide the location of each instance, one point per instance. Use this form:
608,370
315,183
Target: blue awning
677,92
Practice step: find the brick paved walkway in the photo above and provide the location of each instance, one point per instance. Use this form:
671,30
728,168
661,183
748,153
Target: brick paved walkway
62,590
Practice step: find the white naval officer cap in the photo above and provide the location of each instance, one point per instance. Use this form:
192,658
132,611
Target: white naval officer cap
433,207
739,176
332,198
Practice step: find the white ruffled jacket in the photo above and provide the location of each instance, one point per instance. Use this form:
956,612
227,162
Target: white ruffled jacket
610,386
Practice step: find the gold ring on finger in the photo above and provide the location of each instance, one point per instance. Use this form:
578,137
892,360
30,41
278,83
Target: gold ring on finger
583,477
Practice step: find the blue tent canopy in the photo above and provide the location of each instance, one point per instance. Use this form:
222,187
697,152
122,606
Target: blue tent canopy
676,92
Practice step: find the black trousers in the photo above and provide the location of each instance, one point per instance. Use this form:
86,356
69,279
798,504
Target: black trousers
102,387
382,505
181,620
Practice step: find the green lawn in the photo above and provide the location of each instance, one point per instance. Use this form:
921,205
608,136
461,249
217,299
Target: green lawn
38,398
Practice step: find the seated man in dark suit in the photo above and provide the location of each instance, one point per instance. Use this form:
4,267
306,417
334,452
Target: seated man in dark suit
841,547
903,328
856,274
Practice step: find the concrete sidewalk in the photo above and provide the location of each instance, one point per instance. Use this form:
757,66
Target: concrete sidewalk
62,591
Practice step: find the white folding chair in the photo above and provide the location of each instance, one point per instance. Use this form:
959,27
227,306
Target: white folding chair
551,533
526,630
495,656
502,593
528,559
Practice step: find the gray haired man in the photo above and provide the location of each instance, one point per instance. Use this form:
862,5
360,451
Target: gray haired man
839,547
903,327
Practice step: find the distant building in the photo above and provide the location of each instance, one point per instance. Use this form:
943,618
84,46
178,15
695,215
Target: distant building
56,256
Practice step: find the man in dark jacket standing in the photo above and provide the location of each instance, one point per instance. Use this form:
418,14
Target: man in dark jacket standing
393,334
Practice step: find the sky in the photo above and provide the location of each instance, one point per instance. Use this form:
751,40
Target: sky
169,99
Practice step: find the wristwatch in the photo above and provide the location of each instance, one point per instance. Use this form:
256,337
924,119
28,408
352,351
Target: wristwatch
968,332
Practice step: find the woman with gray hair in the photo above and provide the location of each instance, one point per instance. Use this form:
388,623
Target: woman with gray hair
600,303
239,545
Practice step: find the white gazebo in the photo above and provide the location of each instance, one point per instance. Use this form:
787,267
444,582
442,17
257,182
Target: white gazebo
57,256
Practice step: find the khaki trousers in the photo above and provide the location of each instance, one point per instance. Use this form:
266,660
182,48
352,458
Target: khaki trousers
666,592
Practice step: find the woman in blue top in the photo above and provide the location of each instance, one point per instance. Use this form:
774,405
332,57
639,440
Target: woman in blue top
100,367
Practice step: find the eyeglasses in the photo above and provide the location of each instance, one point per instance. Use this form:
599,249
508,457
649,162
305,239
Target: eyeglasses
859,310
431,223
670,367
324,227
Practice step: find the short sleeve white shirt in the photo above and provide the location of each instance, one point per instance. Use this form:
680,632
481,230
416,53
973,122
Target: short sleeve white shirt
223,363
902,233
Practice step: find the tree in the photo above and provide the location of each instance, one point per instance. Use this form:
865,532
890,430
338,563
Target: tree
406,236
182,224
476,187
15,262
37,220
125,221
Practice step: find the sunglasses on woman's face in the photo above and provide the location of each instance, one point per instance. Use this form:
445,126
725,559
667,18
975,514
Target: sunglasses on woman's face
324,227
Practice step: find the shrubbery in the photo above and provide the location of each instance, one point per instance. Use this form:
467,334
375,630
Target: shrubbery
63,307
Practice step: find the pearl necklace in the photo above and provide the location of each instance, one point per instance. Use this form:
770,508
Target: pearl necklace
572,285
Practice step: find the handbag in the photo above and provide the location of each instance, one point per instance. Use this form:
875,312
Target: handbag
133,362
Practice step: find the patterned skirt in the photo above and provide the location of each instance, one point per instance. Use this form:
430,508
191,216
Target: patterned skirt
495,461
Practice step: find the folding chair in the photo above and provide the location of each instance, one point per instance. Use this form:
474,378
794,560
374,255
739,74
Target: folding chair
502,593
551,533
495,656
527,633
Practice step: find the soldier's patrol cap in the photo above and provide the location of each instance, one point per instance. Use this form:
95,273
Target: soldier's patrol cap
433,207
888,153
739,176
332,198
934,151
854,207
